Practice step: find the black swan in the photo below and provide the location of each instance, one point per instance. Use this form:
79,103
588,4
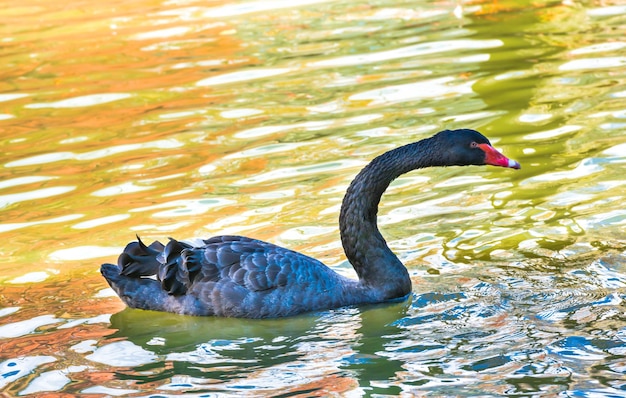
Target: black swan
235,276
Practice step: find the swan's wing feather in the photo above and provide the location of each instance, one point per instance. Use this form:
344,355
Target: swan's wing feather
248,263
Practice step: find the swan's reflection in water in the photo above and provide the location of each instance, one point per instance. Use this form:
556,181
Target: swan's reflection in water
325,351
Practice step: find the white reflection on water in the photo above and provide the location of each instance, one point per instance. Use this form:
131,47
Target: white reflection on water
84,346
600,47
416,50
123,188
162,33
23,180
51,381
104,318
79,102
160,227
607,11
268,130
306,233
84,253
9,199
534,117
559,131
122,353
267,149
95,154
12,96
96,222
241,222
239,113
8,311
242,76
32,277
435,88
585,168
108,391
184,207
16,368
13,226
287,172
22,328
617,151
230,10
594,63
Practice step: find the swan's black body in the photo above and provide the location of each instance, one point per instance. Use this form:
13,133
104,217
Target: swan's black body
236,276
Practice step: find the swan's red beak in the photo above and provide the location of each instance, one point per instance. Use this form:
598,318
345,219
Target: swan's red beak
495,158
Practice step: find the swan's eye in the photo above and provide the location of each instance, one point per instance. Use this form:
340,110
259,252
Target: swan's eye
474,144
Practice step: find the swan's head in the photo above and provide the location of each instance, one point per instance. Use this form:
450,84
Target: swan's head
468,147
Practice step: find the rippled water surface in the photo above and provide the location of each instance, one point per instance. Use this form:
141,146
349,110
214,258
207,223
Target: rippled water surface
186,118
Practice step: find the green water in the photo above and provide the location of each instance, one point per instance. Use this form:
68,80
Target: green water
192,119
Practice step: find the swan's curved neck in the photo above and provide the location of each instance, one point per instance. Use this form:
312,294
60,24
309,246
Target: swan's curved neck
376,265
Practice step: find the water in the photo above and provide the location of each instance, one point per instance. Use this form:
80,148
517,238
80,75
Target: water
186,118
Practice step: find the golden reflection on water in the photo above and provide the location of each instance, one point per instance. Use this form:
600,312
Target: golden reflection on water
189,119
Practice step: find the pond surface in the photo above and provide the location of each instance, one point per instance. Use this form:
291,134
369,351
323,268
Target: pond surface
191,119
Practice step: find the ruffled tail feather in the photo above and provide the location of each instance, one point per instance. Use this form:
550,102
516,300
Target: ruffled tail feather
139,260
128,278
174,266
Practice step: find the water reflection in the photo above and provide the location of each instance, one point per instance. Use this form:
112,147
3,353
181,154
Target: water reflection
295,354
197,119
